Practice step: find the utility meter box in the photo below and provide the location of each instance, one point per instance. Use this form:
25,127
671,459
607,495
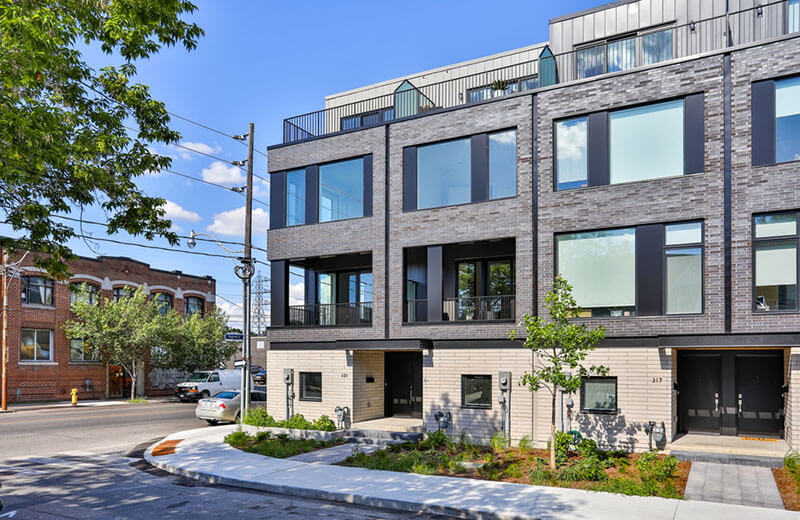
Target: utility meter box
288,376
504,381
658,433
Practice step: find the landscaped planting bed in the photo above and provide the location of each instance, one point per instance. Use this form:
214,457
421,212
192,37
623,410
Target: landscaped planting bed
279,446
788,480
584,467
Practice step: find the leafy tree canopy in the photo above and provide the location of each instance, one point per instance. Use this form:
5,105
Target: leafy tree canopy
63,141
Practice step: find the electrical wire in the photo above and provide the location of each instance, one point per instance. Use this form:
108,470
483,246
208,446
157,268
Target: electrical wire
220,132
228,188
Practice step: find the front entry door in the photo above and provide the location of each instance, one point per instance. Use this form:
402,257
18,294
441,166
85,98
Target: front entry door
759,378
403,384
700,387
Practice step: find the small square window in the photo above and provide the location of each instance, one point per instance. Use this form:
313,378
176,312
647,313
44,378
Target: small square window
599,394
685,233
311,386
476,391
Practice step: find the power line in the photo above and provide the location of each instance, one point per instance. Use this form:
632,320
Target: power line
218,295
148,246
105,224
228,188
214,130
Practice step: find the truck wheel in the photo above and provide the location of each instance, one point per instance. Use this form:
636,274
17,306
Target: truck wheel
212,422
205,394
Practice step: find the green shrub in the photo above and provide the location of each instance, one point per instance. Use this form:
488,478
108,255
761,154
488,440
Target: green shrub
435,440
591,468
525,443
238,439
297,422
588,448
258,417
791,461
540,474
655,470
562,448
263,436
324,423
498,441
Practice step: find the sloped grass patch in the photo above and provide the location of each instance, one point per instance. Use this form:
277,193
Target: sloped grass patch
279,446
644,474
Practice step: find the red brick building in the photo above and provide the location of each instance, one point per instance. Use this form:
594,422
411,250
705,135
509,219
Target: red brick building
43,364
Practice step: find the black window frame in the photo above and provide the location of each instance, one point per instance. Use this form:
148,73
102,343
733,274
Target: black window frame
777,239
637,37
464,404
93,290
198,299
165,297
600,411
689,245
122,291
479,152
286,196
584,117
25,287
302,379
518,82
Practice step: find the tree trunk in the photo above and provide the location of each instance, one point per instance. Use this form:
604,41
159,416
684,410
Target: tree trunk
134,369
553,434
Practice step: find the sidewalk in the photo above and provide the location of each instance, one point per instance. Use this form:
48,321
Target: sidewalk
201,454
24,407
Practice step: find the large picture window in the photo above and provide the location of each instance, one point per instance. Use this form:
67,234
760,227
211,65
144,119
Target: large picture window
37,290
164,302
295,197
601,267
684,268
775,261
443,174
646,142
656,47
79,351
193,305
599,394
787,120
503,164
476,391
794,16
36,345
571,154
341,190
311,386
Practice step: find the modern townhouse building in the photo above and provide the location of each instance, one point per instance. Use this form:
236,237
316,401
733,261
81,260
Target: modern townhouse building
43,364
649,152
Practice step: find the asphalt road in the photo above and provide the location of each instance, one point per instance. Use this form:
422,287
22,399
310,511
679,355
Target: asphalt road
86,463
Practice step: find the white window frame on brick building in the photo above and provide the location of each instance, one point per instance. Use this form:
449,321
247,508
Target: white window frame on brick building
36,334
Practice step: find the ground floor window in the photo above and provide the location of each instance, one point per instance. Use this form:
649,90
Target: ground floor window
476,391
311,386
36,345
78,351
599,394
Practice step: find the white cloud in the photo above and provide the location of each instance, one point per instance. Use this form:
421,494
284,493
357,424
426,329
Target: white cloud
196,146
297,293
175,211
231,223
221,173
175,228
571,140
233,312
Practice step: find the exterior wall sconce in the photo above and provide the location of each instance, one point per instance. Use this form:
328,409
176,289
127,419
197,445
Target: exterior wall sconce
760,11
692,26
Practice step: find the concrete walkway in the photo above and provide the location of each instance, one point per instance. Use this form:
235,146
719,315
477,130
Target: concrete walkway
334,455
733,484
202,455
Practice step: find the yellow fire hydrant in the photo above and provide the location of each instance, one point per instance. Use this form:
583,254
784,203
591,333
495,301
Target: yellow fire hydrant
74,397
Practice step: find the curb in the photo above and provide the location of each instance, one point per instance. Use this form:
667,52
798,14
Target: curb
62,405
347,498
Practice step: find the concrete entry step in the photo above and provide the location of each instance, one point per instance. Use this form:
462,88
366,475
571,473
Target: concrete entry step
733,484
728,458
722,449
381,436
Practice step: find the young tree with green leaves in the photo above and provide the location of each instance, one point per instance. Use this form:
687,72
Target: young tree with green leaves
63,141
201,344
560,347
125,332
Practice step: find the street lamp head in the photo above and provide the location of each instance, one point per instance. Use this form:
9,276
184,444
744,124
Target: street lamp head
192,242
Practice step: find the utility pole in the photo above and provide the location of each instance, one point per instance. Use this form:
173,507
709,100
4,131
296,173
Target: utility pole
4,354
248,263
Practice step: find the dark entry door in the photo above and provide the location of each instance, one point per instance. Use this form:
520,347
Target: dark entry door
700,391
759,378
403,384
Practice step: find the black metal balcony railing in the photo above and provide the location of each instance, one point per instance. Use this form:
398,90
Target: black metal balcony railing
479,308
734,28
330,314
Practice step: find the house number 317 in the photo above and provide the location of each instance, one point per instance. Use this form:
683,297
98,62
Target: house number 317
656,380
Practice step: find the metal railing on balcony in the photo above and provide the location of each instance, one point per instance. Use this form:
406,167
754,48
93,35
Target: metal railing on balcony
661,45
326,314
479,308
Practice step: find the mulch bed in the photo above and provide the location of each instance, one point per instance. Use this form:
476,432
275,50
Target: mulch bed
788,489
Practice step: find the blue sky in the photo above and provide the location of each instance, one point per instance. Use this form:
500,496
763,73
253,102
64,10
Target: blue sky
262,61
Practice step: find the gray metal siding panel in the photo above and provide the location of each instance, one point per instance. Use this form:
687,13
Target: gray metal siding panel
279,287
597,128
312,194
435,272
649,270
368,185
277,198
479,164
763,122
694,134
410,178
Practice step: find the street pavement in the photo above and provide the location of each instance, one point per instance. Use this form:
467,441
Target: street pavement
86,463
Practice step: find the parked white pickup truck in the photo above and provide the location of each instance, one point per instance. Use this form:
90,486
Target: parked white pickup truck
206,383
